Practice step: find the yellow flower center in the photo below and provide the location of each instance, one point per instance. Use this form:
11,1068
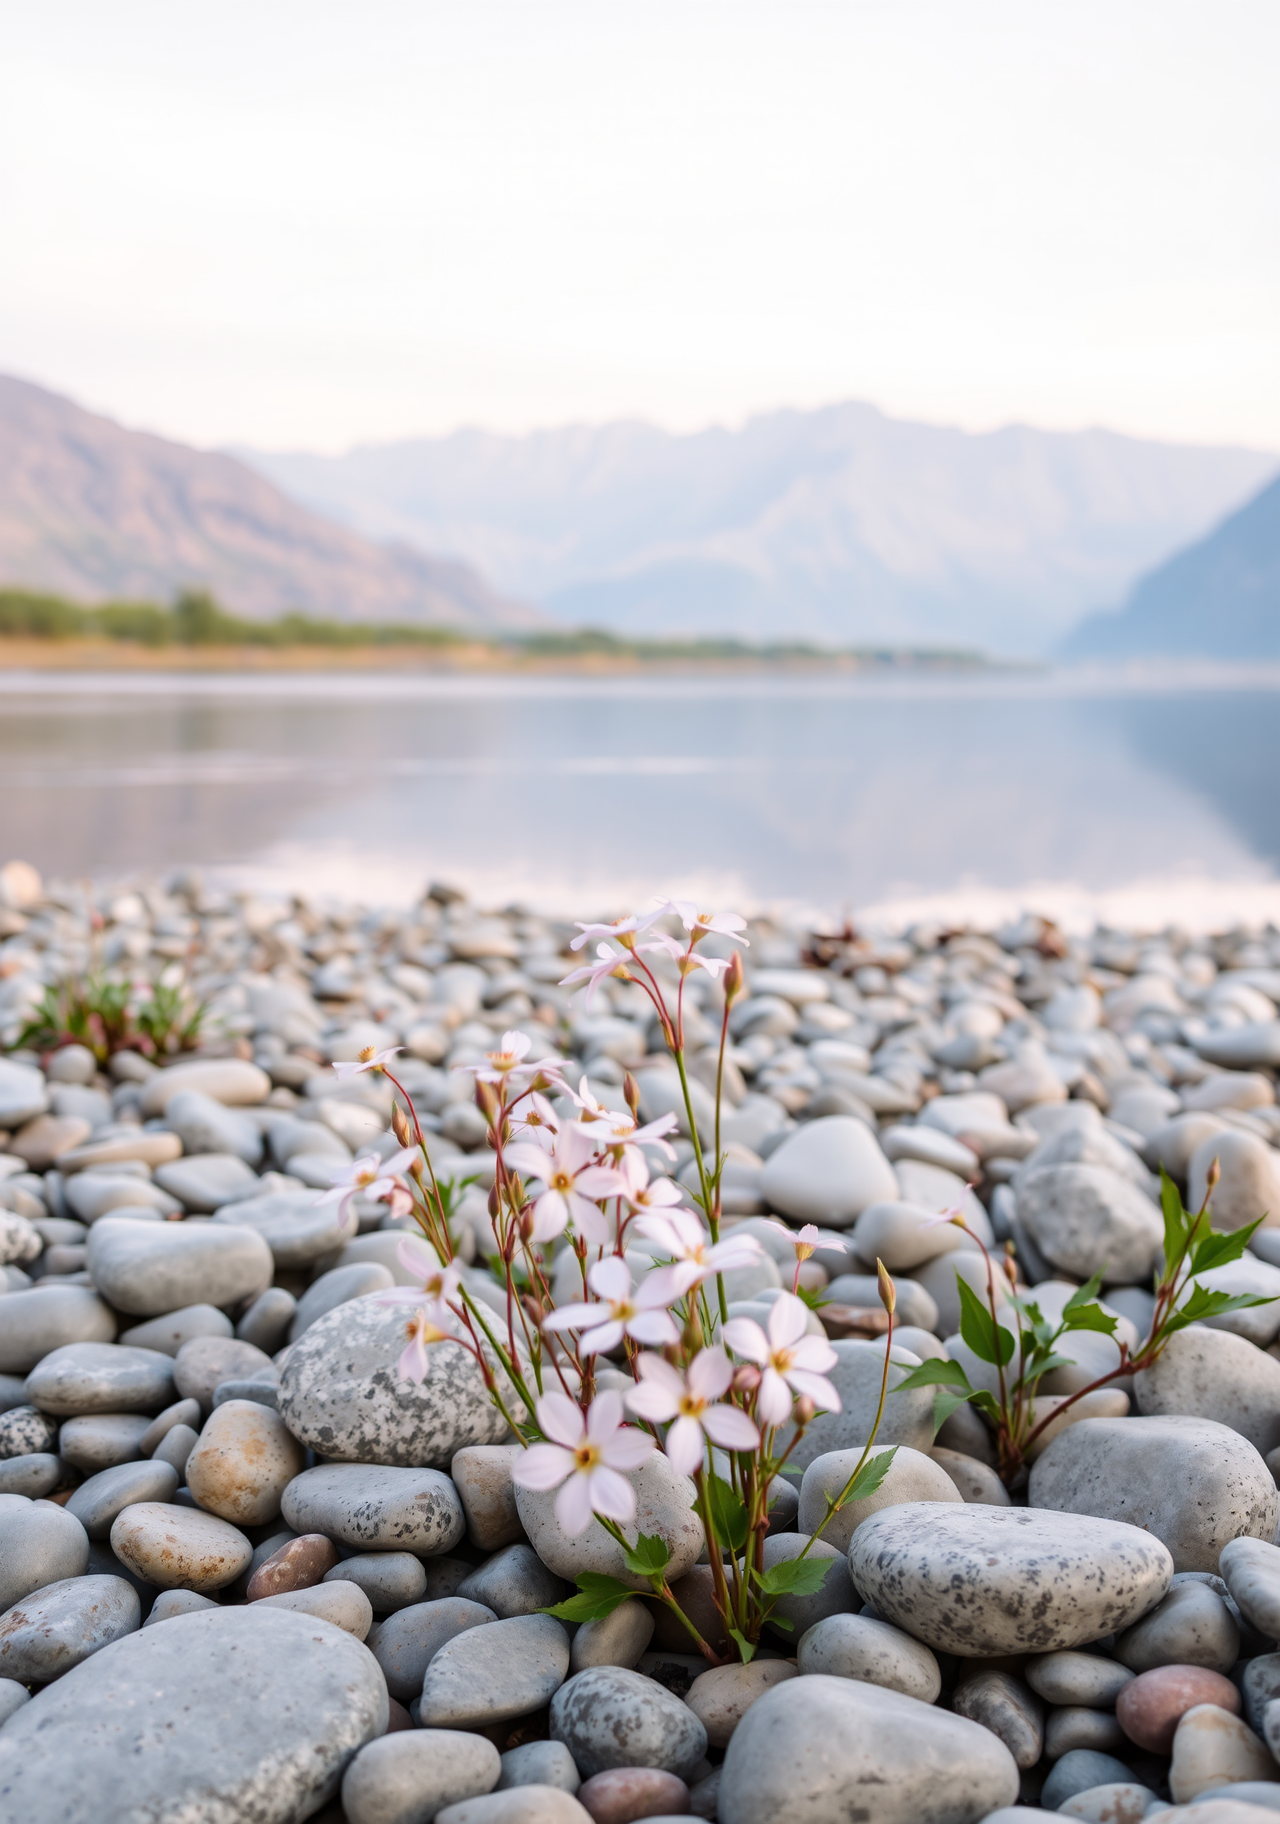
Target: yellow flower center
586,1456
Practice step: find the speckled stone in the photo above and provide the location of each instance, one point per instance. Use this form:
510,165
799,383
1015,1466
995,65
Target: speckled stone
243,1462
179,1547
340,1393
296,1565
485,1675
979,1581
62,1624
100,1377
24,1430
405,1644
407,1777
610,1717
379,1507
862,1647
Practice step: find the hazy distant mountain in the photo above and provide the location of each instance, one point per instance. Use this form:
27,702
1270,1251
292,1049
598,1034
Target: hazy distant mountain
90,510
839,524
1219,599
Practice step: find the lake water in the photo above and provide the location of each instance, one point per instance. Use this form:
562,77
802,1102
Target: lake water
1083,794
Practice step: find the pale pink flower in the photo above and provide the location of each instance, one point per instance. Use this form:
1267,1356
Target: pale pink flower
692,1405
698,924
624,1310
413,1364
369,1059
693,1255
507,1063
589,1458
533,1119
367,1176
574,1182
610,1127
793,1362
611,962
620,929
644,1192
439,1283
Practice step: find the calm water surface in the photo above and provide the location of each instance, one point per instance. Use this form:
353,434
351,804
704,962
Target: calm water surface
838,791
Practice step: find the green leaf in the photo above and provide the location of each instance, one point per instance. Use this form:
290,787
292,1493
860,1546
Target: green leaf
1088,1317
728,1513
648,1557
945,1402
988,1403
1085,1294
935,1373
1220,1250
1044,1366
597,1597
990,1341
746,1647
1175,1220
794,1576
871,1475
1203,1303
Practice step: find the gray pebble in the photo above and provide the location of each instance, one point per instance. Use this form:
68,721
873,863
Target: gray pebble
175,1447
835,1595
613,1640
12,1697
100,1377
170,1332
262,1393
391,1580
62,1624
205,1182
514,1582
34,1323
97,1502
205,1126
39,1543
1008,1708
859,1646
405,1644
177,1602
182,1412
1073,1726
103,1439
266,1323
529,1805
539,1764
1077,1771
488,1674
409,1776
1251,1569
207,1360
1078,1678
609,1717
1191,1626
1211,1374
376,1506
34,1476
338,1287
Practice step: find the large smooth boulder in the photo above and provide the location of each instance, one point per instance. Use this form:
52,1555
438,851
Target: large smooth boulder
243,1713
83,1378
233,1081
979,1581
1210,1374
828,1171
1248,1189
341,1394
1190,1482
149,1268
823,1750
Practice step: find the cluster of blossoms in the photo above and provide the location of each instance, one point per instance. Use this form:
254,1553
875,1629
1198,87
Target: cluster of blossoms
724,1398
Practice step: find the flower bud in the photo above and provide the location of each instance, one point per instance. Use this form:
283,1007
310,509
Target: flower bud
805,1410
746,1378
631,1090
495,1202
733,979
888,1292
400,1125
1213,1175
487,1102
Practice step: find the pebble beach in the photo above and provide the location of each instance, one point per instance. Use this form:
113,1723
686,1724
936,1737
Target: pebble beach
252,1574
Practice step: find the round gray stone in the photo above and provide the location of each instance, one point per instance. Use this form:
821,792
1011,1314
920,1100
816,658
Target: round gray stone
296,1228
1083,1216
103,1439
856,1377
206,1361
39,1544
824,1750
514,1582
206,1126
340,1393
609,1716
57,1627
170,1332
391,1580
338,1287
489,1674
860,1646
96,1502
407,1641
664,1508
378,1506
100,1377
829,1170
1210,1374
539,1764
979,1581
245,1714
409,1776
207,1181
23,1093
34,1322
34,1476
150,1268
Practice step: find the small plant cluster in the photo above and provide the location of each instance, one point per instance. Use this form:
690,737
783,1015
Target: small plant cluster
726,1399
1012,1335
109,1013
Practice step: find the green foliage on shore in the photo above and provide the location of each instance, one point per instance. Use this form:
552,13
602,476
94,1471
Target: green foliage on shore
196,619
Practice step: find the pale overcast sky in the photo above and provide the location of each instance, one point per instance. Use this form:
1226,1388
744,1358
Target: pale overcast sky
312,222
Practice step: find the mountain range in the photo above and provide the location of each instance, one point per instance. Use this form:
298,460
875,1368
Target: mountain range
840,525
1219,599
92,510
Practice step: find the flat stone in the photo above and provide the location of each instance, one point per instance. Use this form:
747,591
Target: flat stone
266,1323
23,1093
501,1670
338,1287
299,1564
539,1764
24,1429
207,1181
514,1582
36,1322
1008,1708
408,1777
1150,1708
377,1506
527,1805
405,1644
721,1697
170,1332
1193,1483
835,1595
43,1141
135,1146
341,1394
664,1507
84,1378
1076,1726
859,1646
295,1226
92,1195
1254,1046
904,1235
1080,1215
96,1502
612,1640
170,1603
62,1624
980,1581
282,1701
39,1544
150,1268
1251,1569
1077,1679
828,1171
206,1126
391,1580
1213,1747
175,1447
482,1476
35,1476
1191,1626
232,1081
829,1750
1081,1770
206,1361
625,1793
342,1605
179,1547
1210,1374
610,1717
182,1412
911,1476
244,1460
